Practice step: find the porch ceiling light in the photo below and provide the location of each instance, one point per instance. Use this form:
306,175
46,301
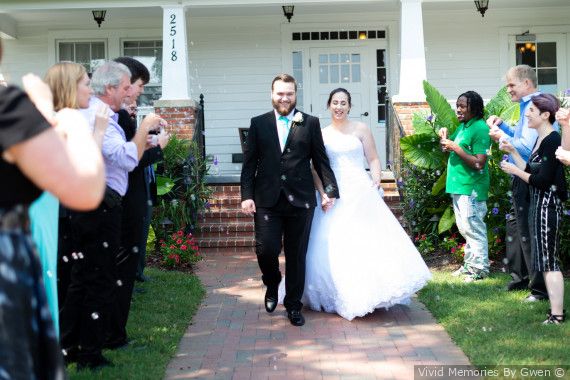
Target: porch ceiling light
288,11
482,6
99,16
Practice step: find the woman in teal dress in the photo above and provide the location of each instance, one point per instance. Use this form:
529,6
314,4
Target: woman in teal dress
69,84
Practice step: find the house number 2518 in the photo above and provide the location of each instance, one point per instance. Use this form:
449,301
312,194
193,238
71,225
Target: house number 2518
173,56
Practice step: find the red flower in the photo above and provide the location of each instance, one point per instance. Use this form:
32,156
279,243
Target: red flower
161,241
189,235
188,241
180,233
172,246
162,245
179,241
177,258
183,247
452,250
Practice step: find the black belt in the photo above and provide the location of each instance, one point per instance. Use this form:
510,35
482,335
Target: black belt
14,218
112,198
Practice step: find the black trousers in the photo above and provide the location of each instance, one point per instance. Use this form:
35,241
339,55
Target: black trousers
93,282
293,225
518,250
64,254
128,258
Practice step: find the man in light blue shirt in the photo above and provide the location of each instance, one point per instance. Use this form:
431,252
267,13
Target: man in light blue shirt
522,86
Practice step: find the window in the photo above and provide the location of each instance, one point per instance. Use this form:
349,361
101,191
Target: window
149,52
339,68
90,54
381,83
542,57
298,75
336,35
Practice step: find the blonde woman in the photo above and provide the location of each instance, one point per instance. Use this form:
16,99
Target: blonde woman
69,84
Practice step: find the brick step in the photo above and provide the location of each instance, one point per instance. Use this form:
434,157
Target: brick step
226,230
221,242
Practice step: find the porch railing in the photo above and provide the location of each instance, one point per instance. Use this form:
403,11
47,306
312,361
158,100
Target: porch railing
394,131
199,128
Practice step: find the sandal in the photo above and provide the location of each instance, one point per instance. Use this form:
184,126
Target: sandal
555,319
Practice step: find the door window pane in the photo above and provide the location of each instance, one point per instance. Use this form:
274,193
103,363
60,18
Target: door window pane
335,77
323,74
355,73
298,75
345,73
546,54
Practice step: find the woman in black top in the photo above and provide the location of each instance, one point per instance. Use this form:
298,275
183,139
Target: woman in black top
35,157
545,175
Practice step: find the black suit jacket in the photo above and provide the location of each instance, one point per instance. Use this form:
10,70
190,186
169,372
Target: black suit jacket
266,171
138,193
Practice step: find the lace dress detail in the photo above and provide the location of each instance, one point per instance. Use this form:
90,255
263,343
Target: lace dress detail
359,257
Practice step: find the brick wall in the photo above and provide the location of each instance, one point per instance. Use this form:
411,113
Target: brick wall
405,112
180,114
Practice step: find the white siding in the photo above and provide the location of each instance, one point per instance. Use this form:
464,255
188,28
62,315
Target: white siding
463,50
233,61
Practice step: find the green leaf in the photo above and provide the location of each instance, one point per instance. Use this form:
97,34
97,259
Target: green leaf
447,220
423,150
421,124
498,104
511,114
439,185
444,114
163,185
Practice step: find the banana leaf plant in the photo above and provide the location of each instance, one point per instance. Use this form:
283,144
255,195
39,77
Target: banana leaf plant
422,148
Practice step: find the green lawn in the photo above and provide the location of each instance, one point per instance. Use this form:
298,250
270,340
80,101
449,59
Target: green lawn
493,326
157,321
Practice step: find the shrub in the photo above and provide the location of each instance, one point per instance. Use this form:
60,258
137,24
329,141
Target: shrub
182,190
178,250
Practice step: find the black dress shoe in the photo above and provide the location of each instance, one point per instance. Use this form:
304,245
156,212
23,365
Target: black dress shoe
271,299
93,363
296,318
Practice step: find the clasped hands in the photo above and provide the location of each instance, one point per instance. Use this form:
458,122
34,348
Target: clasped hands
446,144
248,205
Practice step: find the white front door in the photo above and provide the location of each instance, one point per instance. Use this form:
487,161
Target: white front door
351,68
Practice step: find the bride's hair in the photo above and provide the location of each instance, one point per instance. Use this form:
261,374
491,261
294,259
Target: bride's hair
336,91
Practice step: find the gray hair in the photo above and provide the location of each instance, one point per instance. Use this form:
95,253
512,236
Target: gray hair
522,72
108,74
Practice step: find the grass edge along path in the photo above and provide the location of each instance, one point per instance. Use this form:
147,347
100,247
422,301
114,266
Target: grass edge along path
493,326
159,317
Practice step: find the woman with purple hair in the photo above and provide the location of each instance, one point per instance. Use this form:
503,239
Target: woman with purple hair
547,184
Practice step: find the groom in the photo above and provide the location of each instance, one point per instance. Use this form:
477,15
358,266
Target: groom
277,187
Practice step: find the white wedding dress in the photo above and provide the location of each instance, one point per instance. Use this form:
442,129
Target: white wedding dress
359,257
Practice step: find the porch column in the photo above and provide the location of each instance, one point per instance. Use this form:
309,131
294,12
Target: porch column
175,105
412,52
175,74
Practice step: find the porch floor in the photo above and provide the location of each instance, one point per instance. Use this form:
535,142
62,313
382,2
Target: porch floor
233,337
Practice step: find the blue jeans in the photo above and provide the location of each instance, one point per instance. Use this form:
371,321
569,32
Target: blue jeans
470,218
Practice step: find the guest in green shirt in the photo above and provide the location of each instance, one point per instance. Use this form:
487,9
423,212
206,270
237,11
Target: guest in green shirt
468,182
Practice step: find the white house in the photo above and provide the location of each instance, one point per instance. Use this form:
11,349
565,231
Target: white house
229,50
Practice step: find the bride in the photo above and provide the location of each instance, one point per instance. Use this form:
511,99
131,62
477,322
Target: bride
359,257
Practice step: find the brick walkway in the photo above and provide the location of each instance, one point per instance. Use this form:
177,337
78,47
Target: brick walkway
233,337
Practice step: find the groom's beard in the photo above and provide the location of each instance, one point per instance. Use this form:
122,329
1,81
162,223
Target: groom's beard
284,109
